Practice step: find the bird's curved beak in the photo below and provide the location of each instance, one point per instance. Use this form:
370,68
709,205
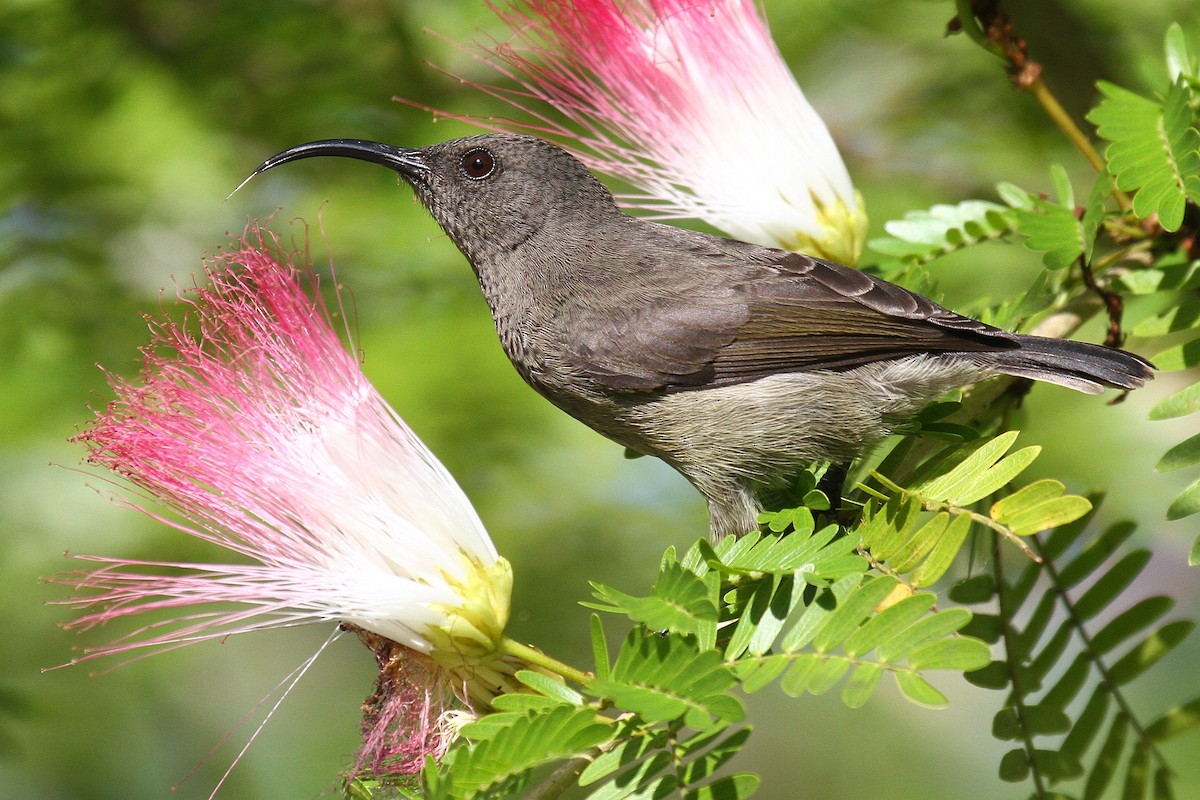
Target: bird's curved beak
410,163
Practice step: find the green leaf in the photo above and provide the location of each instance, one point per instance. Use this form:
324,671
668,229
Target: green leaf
962,479
1150,651
761,620
1111,584
929,629
823,675
1069,683
962,653
1180,719
920,691
1056,768
1044,720
1171,277
643,782
993,676
1182,317
1093,213
977,589
549,687
985,627
943,553
1179,61
1006,726
885,529
630,749
794,682
1106,761
888,623
1180,356
1038,720
1014,766
851,612
711,757
1037,623
1154,149
1162,784
758,673
1048,657
1000,475
1054,546
808,623
1186,504
919,544
599,647
520,702
1039,506
1095,553
861,685
1080,737
1135,619
820,555
732,787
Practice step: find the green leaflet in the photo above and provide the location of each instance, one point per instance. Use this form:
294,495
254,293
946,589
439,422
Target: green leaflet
1181,455
1184,355
1180,61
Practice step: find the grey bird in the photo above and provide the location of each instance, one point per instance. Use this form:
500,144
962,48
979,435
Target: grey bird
735,363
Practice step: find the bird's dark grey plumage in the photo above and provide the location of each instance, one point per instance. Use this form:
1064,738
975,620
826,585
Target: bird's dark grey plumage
735,363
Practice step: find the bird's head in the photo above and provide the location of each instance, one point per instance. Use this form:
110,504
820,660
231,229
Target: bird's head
491,193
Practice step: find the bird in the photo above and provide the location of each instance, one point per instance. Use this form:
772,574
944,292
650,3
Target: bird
735,363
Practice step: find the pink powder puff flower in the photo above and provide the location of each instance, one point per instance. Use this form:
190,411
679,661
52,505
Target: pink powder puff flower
691,102
253,423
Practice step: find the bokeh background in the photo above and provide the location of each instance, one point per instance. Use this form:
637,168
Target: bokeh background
124,125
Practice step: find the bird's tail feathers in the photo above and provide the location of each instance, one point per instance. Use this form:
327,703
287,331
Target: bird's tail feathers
1081,366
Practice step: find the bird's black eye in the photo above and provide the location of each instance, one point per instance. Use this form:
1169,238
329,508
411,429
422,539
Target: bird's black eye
478,164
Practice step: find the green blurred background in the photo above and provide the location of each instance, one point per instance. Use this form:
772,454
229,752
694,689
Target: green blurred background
124,125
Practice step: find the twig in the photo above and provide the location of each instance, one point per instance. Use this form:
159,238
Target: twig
990,26
1113,303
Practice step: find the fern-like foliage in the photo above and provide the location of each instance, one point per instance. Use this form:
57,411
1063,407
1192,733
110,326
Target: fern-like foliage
826,641
1068,656
1173,282
923,235
950,483
1154,148
1055,229
500,751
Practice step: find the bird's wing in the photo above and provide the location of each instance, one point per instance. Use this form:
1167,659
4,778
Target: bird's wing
791,314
